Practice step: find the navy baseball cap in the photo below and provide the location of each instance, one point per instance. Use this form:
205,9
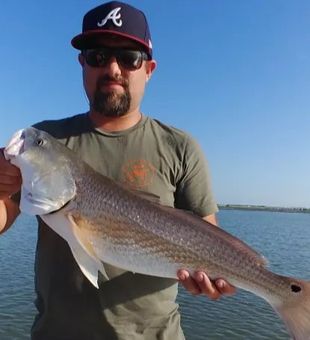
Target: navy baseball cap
116,18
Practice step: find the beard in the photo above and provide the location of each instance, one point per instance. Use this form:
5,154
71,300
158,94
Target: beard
111,104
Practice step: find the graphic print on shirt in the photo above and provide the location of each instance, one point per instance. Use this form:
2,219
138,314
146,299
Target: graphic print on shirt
138,174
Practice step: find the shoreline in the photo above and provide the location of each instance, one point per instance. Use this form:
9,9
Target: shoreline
263,208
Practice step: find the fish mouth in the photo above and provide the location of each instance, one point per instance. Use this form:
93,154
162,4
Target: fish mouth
15,146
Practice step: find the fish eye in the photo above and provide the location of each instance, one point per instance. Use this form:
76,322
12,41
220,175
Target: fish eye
40,142
295,288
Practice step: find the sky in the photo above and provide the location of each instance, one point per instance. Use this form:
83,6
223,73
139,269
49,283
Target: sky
233,74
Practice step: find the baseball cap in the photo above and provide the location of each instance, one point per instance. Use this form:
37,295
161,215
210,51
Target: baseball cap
116,18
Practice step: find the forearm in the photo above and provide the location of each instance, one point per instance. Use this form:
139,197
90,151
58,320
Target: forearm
9,210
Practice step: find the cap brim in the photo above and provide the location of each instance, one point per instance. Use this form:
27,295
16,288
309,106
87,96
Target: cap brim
92,39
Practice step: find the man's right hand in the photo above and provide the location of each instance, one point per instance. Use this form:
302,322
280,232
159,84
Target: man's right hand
10,177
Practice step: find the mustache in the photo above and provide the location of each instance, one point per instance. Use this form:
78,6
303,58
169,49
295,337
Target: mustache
107,79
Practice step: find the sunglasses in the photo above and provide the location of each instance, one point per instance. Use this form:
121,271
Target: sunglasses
128,59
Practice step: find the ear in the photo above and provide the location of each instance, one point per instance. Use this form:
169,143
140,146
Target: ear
150,67
81,59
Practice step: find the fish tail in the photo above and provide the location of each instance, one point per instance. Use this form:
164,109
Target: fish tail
295,309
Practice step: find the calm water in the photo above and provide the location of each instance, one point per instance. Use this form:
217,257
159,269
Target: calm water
282,237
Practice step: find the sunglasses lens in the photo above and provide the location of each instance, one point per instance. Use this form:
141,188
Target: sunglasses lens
129,59
96,58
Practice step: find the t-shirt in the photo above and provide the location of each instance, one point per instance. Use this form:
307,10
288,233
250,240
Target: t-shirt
150,157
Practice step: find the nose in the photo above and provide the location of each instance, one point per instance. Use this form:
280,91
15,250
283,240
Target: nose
112,68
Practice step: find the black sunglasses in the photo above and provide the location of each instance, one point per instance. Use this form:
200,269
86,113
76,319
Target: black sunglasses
128,59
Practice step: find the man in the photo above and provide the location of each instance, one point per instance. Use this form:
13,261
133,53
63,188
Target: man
116,139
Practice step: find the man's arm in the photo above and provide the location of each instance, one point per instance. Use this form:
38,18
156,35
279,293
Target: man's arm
10,183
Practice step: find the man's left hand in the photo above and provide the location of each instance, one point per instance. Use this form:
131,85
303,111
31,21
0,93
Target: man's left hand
200,283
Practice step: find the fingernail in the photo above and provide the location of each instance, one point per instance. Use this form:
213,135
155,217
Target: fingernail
220,284
182,277
199,277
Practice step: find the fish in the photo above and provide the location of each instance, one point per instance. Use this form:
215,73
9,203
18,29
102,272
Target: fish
105,222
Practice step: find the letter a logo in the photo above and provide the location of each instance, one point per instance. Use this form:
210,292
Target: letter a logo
114,15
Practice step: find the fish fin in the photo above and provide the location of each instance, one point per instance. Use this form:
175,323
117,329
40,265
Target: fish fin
65,227
86,245
86,265
295,310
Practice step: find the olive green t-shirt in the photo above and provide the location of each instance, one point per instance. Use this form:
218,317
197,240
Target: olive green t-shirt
151,157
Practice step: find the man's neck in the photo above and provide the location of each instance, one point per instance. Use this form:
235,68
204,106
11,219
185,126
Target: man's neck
114,124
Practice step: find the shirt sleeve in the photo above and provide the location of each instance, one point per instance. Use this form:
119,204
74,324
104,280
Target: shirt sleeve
193,190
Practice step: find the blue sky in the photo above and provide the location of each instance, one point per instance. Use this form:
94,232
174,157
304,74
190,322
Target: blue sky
234,74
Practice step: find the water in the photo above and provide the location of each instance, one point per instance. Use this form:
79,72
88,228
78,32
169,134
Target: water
282,237
17,248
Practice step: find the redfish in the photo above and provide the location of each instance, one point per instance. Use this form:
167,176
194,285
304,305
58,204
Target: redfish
103,222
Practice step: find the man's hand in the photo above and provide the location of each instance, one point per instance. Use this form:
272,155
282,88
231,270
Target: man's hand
200,283
10,178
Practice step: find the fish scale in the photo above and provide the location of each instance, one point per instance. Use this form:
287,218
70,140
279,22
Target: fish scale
151,235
